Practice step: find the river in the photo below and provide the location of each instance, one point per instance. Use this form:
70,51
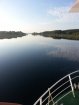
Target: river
30,64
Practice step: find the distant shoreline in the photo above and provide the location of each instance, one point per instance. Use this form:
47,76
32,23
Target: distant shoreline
72,34
11,34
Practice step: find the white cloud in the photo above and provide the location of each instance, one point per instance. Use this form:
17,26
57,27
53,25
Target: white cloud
58,12
61,19
62,14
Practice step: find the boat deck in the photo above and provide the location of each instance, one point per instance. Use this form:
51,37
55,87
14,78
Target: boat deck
64,92
69,99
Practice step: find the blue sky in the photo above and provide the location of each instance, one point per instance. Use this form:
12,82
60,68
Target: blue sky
37,15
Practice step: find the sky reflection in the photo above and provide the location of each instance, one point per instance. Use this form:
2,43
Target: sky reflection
30,65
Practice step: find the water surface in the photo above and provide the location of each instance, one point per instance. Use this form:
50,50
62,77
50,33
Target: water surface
31,64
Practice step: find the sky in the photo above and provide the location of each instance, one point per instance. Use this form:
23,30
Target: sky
37,15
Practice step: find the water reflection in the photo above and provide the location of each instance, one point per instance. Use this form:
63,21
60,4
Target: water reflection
31,64
67,51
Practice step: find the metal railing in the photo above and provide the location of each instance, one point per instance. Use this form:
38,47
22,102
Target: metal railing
59,90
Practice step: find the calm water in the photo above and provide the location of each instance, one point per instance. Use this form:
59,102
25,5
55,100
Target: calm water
31,64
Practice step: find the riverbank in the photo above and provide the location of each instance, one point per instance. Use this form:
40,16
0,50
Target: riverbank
11,34
72,34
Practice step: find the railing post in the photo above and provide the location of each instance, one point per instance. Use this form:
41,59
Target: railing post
41,101
50,97
71,85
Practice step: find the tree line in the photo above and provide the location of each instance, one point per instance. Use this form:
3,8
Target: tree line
11,34
61,34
